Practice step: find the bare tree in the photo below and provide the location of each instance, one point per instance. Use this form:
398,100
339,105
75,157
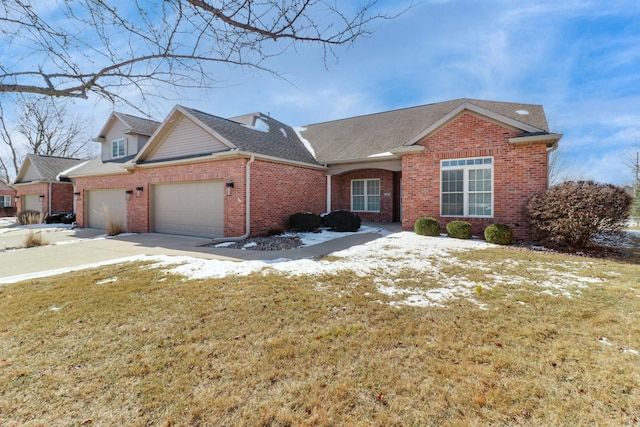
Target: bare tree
43,127
72,48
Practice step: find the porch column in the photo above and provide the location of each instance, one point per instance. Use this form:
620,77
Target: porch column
328,193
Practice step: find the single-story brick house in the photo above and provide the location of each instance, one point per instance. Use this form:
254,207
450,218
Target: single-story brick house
7,199
199,174
41,188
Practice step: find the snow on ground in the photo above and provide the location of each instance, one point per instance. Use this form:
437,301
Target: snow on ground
404,266
384,259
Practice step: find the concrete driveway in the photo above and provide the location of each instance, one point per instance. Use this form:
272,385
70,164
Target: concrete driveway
71,249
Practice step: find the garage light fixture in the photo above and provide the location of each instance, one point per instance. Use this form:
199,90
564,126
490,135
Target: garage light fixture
16,198
139,190
77,193
229,186
41,197
127,194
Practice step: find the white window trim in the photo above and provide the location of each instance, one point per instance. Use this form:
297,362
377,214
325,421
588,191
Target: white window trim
4,201
124,147
465,179
366,196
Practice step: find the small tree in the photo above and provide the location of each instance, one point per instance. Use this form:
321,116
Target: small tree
571,214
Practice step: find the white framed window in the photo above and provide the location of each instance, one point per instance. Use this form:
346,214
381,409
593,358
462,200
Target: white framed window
466,187
5,201
118,148
365,195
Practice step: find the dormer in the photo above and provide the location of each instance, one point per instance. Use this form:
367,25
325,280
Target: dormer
123,136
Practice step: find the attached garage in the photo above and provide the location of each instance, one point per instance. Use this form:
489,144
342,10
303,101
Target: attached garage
188,208
32,203
103,206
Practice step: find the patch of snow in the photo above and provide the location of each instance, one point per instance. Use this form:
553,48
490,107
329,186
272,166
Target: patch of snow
259,126
107,280
307,144
284,132
385,154
250,245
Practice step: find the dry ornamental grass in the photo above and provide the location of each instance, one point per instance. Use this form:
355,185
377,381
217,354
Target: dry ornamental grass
136,344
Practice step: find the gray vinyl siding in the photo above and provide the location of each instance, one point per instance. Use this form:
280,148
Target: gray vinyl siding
31,174
116,131
187,139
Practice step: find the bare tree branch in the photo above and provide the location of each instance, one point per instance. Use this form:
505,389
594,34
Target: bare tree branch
72,48
43,127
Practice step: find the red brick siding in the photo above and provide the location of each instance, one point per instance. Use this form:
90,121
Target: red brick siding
61,198
277,191
519,172
341,193
39,189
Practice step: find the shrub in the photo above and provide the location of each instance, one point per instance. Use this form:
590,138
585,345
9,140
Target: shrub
61,218
304,222
342,221
34,239
427,227
459,230
571,214
29,217
498,234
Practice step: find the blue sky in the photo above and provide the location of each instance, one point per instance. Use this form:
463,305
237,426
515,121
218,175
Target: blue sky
580,59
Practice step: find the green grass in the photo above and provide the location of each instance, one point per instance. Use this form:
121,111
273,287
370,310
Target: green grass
135,345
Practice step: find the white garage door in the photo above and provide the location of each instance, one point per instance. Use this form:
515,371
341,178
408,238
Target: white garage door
189,208
32,203
104,206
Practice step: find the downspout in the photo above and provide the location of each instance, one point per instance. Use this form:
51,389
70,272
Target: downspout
50,198
328,193
247,197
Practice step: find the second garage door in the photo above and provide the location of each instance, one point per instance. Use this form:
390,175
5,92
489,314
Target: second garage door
189,208
105,206
32,202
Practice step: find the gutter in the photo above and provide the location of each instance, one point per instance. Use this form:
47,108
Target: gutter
247,214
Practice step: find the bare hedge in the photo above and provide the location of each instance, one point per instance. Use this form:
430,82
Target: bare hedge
571,214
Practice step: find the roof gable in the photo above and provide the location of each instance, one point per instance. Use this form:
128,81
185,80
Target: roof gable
44,168
254,134
362,137
130,124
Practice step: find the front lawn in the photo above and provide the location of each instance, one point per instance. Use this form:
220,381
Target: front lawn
501,336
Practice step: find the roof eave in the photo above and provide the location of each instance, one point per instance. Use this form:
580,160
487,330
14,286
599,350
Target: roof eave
222,155
550,139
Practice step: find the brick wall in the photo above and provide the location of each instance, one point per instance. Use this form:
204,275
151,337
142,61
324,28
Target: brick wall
38,189
277,191
341,193
61,198
519,172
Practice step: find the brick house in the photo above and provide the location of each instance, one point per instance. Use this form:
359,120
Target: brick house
41,188
7,199
199,174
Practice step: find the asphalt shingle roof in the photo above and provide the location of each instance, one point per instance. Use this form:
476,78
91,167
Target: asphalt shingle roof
359,137
139,125
48,167
266,136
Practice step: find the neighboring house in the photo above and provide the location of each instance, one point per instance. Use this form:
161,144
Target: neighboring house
7,199
198,174
41,188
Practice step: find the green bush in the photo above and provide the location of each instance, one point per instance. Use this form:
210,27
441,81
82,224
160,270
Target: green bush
427,226
61,218
304,222
459,230
342,221
498,234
